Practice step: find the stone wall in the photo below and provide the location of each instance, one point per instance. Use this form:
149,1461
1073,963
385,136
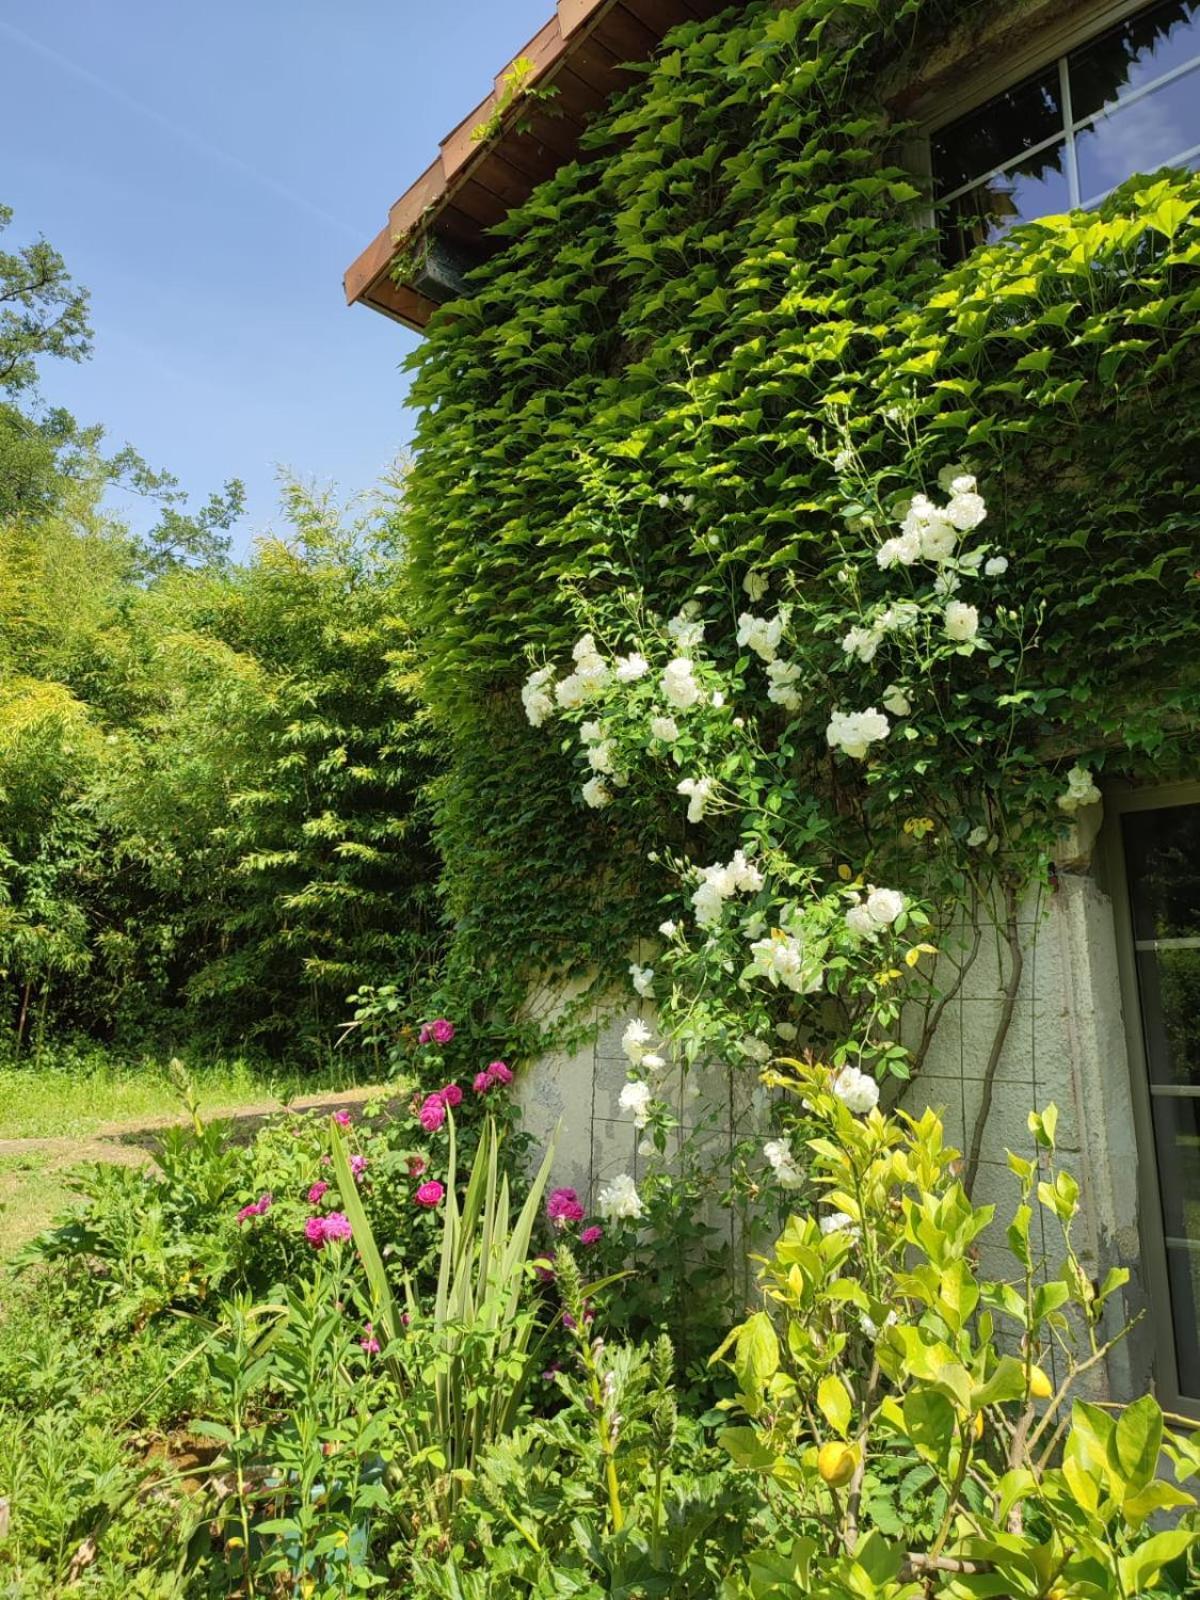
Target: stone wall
1066,1046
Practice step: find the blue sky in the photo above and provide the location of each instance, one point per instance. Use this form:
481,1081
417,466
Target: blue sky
209,172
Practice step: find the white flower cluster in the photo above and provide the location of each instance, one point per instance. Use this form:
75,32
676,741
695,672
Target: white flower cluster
1081,790
635,1042
632,667
720,883
961,621
863,643
588,678
760,634
536,698
854,731
595,793
619,1200
782,677
636,1097
678,684
783,1163
838,1222
686,628
879,910
642,979
699,791
781,958
929,532
857,1091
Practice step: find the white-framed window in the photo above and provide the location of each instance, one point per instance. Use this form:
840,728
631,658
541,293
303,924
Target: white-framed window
1123,99
1155,844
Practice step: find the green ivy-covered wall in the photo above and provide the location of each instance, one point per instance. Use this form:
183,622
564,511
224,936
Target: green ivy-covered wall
657,367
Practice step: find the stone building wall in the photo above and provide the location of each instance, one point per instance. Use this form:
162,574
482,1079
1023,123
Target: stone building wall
1066,1046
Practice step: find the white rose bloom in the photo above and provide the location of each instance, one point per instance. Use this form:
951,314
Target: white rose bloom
843,461
756,585
856,1090
966,511
837,1222
896,701
956,479
685,628
747,879
938,540
651,1062
668,929
636,1097
632,667
635,1041
1081,791
619,1199
664,500
642,979
996,566
783,1163
718,699
760,634
899,552
679,685
962,621
860,922
665,728
786,1031
600,757
946,584
699,793
782,676
754,1049
853,732
595,794
780,959
884,906
591,732
592,674
901,617
535,696
708,903
570,691
863,643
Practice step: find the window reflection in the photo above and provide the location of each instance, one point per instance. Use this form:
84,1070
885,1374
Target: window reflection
1033,150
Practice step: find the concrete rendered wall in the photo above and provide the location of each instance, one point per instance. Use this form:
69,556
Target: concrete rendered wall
1066,1046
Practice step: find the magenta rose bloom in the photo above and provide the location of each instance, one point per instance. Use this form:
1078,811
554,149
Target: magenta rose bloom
592,1235
500,1072
451,1095
318,1192
260,1207
563,1207
417,1166
337,1226
483,1082
430,1194
432,1113
342,1118
358,1165
314,1231
425,1035
441,1031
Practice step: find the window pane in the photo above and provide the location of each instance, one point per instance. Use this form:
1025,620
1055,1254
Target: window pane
1035,187
1139,137
1169,982
1014,121
1163,856
1177,1135
1141,49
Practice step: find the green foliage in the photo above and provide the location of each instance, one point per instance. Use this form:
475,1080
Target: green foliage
648,388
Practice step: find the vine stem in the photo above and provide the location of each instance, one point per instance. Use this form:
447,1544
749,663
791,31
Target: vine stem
1012,935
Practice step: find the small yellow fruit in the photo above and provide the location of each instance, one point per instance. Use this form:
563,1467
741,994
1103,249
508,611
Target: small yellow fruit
836,1463
1040,1386
977,1426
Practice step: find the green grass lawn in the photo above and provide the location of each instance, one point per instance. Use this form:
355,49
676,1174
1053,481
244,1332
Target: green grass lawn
72,1102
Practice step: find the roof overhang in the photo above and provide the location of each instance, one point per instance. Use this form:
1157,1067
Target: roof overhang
492,161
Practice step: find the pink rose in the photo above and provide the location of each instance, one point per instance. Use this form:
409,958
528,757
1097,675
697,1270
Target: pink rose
562,1207
432,1113
483,1082
318,1192
320,1231
591,1235
430,1194
451,1095
342,1118
441,1031
358,1165
260,1207
417,1165
500,1072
